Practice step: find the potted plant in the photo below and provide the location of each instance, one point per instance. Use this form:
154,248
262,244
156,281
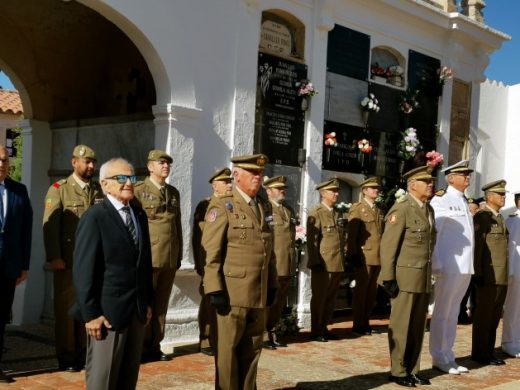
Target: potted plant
395,75
306,90
369,104
378,73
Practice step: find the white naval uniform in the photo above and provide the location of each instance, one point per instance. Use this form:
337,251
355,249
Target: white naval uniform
452,266
511,318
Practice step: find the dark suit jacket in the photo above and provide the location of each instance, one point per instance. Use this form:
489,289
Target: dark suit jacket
111,276
16,251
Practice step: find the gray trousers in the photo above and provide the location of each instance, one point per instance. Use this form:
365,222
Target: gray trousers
113,363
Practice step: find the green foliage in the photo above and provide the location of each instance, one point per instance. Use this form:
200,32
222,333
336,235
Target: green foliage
288,324
16,163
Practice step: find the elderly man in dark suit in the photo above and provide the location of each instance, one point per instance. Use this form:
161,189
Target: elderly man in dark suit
15,243
113,280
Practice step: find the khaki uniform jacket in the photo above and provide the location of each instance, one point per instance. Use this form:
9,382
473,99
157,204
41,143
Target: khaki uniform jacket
284,228
407,245
199,254
164,222
65,203
325,239
240,258
491,257
364,231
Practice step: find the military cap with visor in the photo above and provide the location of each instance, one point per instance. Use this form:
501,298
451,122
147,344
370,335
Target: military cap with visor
275,182
371,182
460,167
332,184
251,161
420,173
84,151
498,186
223,174
158,155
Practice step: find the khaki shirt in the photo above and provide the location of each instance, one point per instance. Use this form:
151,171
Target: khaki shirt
164,223
284,229
407,245
325,239
199,254
240,259
364,231
491,240
65,203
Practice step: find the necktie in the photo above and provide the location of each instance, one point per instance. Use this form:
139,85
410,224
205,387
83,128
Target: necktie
163,192
130,224
2,189
87,191
254,206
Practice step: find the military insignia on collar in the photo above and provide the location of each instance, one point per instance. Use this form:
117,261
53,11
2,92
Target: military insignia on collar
229,206
212,215
392,219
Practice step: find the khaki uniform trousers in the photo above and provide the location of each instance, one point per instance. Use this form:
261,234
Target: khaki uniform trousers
490,303
240,332
406,332
276,309
162,288
364,295
70,334
207,321
324,286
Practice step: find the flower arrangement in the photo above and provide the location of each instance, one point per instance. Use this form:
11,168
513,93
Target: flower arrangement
395,70
399,194
330,139
301,234
305,88
376,70
434,159
343,207
364,146
288,324
409,145
409,102
445,74
370,103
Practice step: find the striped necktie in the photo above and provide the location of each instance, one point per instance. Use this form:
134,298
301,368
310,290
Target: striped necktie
130,224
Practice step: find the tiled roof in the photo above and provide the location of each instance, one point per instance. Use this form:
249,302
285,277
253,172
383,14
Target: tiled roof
10,102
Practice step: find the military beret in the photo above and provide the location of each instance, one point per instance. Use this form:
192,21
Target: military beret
332,184
275,182
251,161
371,182
157,155
84,151
420,173
221,175
498,186
460,167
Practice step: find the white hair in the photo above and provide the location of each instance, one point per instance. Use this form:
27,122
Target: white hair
106,165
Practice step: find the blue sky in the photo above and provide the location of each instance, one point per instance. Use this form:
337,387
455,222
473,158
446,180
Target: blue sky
502,15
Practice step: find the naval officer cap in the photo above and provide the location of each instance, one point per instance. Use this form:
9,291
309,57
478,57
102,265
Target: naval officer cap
251,161
460,167
158,155
275,182
498,186
84,151
223,174
332,184
371,182
420,173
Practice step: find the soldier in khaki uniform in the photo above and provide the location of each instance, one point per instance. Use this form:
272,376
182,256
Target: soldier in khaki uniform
161,202
491,273
406,251
221,184
325,247
240,273
66,201
284,229
364,230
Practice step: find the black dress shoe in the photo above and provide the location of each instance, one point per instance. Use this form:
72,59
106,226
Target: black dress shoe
164,357
419,380
268,345
319,337
207,351
362,331
280,344
4,378
330,336
405,381
496,362
69,368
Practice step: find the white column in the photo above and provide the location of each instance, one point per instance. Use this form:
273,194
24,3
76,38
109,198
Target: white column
37,141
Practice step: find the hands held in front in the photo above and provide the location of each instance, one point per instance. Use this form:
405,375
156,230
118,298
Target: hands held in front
22,277
391,288
271,296
97,328
58,264
218,300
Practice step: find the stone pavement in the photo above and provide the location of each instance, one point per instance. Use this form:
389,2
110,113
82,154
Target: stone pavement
358,363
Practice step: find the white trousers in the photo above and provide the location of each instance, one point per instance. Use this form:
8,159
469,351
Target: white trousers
511,318
449,291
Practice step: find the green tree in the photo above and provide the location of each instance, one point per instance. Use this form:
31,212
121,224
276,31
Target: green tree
16,162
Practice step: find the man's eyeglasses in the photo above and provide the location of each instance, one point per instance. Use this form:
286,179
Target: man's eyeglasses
121,179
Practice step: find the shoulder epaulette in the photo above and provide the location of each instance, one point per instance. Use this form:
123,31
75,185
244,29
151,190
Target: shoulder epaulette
402,199
139,183
440,192
59,183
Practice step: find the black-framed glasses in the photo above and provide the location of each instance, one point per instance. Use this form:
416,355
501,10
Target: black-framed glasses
121,179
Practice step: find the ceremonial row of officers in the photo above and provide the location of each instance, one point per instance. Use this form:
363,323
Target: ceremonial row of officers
114,247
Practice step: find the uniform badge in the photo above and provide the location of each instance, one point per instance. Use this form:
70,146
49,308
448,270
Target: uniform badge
48,203
82,151
392,219
229,206
243,235
212,215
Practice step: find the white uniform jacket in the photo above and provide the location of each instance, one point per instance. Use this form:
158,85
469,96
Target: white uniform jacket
513,226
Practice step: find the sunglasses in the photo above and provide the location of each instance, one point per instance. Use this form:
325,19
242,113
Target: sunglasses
121,179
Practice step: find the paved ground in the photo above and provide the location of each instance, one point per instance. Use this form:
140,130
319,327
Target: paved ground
358,363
